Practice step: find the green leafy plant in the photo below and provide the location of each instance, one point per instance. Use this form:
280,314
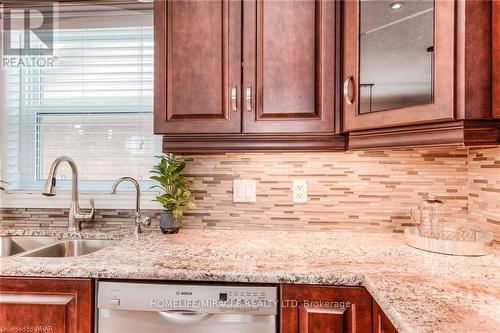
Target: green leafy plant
1,187
167,173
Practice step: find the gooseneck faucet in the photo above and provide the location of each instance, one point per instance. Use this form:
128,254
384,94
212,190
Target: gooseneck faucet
76,216
139,219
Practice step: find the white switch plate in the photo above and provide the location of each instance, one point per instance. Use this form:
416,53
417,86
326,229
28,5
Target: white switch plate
244,190
300,191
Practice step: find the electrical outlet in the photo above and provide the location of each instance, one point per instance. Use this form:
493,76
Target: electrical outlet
300,191
244,190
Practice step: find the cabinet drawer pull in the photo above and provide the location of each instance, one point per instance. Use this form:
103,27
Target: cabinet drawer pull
347,89
234,99
248,99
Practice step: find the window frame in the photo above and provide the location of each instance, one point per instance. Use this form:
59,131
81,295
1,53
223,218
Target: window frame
26,198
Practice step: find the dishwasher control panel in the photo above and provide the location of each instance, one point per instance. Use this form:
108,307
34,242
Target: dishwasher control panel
242,295
186,297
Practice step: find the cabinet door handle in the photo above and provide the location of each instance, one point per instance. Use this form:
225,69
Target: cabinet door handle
234,99
248,99
347,89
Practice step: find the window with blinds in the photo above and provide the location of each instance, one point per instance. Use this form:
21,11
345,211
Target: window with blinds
94,105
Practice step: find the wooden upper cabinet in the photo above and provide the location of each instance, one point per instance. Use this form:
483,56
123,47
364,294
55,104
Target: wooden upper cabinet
398,63
496,58
289,66
197,66
320,309
46,305
253,75
418,73
266,75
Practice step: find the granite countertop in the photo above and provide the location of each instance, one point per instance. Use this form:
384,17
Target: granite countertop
419,291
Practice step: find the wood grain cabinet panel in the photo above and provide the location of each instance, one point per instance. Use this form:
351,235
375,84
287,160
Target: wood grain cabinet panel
460,110
266,75
289,66
381,324
442,106
247,75
46,305
496,58
197,66
324,309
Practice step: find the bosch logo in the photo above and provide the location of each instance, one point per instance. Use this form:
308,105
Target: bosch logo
186,293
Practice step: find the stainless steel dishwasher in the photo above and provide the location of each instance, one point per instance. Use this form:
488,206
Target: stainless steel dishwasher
185,308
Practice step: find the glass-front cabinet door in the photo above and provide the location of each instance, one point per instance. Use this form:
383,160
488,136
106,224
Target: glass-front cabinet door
398,62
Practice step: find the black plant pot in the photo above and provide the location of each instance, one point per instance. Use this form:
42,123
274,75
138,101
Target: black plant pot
169,224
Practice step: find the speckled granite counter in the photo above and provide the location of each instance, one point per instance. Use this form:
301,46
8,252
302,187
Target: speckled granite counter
419,291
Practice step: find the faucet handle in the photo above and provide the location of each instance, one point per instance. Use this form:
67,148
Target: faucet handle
90,216
140,221
84,216
143,220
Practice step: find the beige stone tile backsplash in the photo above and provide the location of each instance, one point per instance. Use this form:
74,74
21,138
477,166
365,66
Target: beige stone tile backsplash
370,190
484,188
364,190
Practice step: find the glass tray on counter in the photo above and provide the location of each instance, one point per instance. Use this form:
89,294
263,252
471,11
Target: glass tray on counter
450,240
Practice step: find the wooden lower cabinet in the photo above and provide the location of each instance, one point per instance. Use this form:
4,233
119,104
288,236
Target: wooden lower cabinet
67,306
46,305
325,309
381,324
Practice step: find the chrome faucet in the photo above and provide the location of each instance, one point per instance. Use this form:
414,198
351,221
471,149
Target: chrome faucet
139,219
76,216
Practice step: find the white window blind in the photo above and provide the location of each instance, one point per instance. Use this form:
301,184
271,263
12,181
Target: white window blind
94,105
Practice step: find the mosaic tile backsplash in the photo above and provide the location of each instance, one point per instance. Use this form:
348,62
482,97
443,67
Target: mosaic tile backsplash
484,188
364,190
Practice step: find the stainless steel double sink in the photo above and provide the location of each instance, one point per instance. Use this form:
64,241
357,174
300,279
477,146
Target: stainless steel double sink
50,247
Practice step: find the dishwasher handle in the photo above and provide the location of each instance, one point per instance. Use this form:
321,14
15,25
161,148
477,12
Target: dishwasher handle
184,316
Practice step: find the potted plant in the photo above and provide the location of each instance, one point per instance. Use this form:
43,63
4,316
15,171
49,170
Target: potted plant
176,196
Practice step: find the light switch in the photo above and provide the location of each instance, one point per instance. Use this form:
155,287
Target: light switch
244,190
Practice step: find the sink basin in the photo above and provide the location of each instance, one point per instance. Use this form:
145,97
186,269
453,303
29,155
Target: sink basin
11,245
69,248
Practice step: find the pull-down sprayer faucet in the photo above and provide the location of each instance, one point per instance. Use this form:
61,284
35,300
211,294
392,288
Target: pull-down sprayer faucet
76,216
